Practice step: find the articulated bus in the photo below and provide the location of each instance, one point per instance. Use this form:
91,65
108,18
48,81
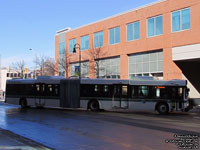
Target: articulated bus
95,94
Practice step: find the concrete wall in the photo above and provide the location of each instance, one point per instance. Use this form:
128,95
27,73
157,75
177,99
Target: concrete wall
186,52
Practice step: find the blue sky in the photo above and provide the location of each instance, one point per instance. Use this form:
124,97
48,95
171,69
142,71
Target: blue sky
26,24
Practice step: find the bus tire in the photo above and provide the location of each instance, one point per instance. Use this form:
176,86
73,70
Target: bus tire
23,102
93,105
162,108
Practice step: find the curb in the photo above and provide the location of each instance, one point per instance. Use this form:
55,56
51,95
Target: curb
28,142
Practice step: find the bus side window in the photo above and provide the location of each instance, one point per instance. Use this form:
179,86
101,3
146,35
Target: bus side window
158,93
56,90
96,88
106,91
143,91
132,92
50,88
124,90
116,91
180,92
37,86
106,88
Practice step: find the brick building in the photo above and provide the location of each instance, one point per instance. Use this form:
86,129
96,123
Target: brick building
161,39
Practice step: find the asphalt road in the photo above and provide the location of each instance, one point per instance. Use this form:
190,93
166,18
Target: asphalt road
83,130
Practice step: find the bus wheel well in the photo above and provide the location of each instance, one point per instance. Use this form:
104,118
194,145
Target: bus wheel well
93,105
23,102
162,107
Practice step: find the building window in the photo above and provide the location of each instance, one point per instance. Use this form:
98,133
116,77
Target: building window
62,48
61,63
74,69
146,64
155,26
98,39
85,42
133,31
71,45
114,35
108,68
181,20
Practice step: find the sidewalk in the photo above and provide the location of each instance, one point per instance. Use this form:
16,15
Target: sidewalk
11,141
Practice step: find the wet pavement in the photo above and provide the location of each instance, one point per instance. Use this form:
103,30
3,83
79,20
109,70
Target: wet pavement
83,130
11,141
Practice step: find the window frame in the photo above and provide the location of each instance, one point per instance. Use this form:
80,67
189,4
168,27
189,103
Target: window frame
98,39
106,64
84,48
154,26
132,62
74,39
133,23
180,21
114,35
62,48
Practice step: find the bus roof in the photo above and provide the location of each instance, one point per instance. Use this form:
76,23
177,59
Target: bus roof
135,81
42,79
159,82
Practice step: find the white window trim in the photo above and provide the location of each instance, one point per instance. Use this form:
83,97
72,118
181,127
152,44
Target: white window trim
133,31
180,20
154,26
84,42
114,35
73,45
98,39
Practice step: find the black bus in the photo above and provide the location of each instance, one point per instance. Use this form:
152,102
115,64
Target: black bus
94,94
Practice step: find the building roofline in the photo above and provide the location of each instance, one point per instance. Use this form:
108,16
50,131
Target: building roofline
63,30
134,9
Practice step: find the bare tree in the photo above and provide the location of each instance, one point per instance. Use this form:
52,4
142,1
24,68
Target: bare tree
45,65
19,67
49,67
39,63
63,63
95,54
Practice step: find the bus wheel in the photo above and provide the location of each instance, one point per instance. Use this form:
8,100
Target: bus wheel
162,108
93,105
23,102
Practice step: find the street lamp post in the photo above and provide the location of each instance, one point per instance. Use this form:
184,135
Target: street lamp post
74,51
35,66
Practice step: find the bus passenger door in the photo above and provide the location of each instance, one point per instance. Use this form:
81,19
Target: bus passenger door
39,95
178,98
120,96
116,98
124,96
